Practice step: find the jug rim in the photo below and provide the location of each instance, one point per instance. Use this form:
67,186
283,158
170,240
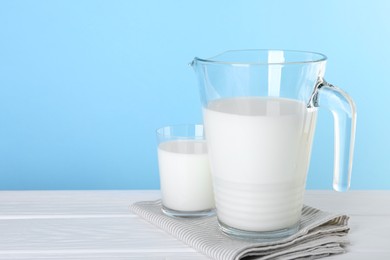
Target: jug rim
317,57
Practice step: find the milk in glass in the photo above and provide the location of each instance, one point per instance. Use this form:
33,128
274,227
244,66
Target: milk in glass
185,175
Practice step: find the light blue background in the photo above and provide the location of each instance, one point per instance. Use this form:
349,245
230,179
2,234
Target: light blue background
84,84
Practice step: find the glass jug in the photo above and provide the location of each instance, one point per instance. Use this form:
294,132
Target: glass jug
260,112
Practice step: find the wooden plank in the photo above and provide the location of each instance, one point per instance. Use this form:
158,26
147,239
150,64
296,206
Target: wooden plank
70,202
98,225
116,202
164,256
91,234
127,235
83,237
351,202
361,256
103,255
370,234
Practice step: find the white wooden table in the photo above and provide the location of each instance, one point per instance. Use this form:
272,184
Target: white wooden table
98,225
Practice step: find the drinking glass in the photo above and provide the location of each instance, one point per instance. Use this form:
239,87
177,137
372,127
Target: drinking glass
184,171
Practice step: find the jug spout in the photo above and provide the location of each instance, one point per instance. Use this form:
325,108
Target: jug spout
193,64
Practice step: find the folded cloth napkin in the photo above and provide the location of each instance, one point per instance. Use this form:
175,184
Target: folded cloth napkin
320,234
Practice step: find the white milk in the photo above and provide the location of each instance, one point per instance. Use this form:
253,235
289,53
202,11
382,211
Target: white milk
185,175
259,150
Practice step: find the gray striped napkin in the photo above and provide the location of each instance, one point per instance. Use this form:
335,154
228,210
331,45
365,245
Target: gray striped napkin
320,234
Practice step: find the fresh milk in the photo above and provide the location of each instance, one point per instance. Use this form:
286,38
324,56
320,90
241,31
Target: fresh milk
259,150
185,175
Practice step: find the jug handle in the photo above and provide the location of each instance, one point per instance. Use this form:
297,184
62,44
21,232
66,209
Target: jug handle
344,115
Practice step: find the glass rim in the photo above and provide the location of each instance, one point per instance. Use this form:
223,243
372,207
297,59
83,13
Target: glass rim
160,130
213,60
